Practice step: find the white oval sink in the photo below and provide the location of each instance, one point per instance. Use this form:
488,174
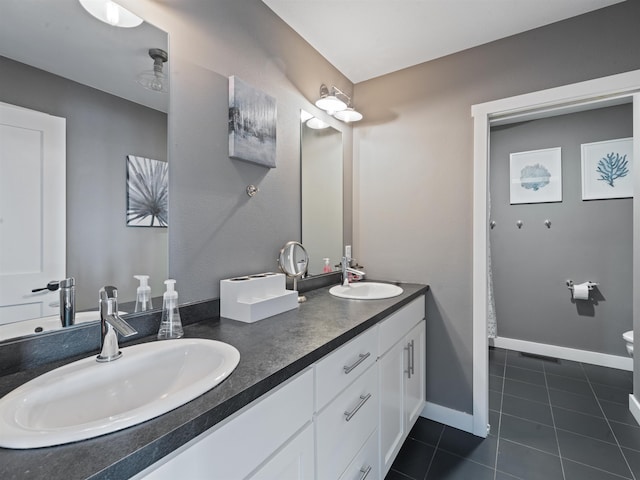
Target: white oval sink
85,399
366,291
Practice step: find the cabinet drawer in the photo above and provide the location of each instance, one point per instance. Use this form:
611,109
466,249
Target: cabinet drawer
365,465
338,369
338,440
397,325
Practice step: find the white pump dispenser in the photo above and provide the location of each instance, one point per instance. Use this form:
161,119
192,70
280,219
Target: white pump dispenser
143,294
170,324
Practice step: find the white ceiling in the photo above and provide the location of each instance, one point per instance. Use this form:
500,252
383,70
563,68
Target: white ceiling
368,38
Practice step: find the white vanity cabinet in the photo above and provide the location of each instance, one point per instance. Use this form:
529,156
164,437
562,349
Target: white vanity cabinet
343,418
271,439
402,378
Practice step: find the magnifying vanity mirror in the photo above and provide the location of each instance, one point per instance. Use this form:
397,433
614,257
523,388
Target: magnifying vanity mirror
60,62
294,262
322,192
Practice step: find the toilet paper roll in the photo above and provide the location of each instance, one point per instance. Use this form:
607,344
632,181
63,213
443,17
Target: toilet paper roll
581,292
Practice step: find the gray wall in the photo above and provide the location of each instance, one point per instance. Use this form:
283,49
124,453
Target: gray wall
588,240
101,131
413,166
216,230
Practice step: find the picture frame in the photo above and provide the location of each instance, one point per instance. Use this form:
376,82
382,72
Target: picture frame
147,192
535,176
252,124
607,169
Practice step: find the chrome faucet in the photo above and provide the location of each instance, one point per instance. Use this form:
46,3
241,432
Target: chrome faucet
110,322
67,301
346,269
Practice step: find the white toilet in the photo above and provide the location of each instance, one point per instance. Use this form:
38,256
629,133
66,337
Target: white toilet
628,338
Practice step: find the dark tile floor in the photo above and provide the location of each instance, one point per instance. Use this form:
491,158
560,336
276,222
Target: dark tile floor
550,420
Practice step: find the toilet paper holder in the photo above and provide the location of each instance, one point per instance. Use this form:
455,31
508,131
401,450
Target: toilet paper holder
589,283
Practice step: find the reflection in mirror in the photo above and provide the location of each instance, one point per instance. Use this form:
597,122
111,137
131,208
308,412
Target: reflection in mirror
322,191
62,65
294,262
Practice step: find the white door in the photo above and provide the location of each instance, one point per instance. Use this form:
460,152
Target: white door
32,211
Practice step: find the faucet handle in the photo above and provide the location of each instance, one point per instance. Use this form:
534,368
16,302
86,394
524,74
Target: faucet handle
109,300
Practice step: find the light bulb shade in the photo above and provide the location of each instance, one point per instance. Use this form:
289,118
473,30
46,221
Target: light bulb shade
110,12
348,115
316,124
330,103
154,81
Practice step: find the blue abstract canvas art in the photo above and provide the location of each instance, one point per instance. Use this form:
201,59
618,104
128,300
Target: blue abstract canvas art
536,176
606,169
252,124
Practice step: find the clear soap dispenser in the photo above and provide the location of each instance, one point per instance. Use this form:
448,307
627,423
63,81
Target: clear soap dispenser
170,324
143,296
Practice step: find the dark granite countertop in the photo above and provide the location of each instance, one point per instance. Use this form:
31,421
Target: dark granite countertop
271,351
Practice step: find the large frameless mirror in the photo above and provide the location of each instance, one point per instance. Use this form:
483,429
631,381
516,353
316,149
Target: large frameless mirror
321,158
58,61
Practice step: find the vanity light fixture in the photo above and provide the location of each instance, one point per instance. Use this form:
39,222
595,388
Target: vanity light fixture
155,80
329,101
335,106
110,12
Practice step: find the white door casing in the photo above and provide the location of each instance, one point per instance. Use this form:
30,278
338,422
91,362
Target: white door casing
606,91
32,211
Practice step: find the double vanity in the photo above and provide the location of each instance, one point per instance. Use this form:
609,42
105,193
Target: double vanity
329,389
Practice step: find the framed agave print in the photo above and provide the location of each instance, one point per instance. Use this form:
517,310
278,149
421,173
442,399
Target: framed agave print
536,176
147,192
252,124
606,169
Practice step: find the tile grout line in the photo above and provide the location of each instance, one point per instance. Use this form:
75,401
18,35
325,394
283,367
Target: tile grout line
553,419
504,380
433,455
606,419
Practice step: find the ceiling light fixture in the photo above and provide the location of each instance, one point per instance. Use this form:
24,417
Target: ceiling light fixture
155,79
335,106
110,12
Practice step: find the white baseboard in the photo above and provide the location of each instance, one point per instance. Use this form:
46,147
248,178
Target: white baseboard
566,353
448,416
634,407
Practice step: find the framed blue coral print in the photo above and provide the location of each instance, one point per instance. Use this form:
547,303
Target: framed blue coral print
606,169
536,176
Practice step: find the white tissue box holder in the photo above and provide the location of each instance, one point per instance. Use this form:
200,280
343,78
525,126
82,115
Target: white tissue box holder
254,297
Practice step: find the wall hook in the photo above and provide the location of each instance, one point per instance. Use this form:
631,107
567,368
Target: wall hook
252,190
547,222
492,224
519,223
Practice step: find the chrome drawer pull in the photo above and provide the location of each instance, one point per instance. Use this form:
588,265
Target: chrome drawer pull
363,400
408,370
365,472
413,358
361,358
